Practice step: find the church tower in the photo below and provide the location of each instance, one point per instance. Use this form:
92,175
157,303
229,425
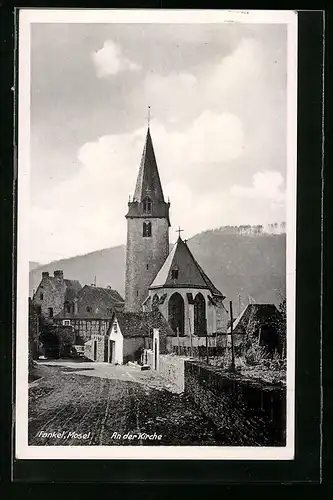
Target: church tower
147,231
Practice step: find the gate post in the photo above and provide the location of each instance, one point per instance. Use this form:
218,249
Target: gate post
156,348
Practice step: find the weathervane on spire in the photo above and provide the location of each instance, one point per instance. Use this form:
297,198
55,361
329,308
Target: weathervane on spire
148,117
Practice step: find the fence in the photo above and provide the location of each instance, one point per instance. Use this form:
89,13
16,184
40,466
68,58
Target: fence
197,347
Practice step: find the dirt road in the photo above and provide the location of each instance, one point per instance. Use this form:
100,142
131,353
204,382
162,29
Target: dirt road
71,408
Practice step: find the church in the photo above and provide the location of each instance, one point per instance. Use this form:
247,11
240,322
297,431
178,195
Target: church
158,279
165,290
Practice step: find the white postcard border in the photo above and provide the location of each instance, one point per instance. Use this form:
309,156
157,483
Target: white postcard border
28,16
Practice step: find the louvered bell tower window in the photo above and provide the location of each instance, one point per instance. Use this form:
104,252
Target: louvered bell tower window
146,229
147,205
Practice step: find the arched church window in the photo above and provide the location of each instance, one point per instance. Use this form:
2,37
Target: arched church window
176,310
200,322
146,229
147,205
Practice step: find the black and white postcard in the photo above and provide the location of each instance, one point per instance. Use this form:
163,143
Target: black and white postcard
156,234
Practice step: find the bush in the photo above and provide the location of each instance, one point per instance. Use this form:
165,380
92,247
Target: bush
255,356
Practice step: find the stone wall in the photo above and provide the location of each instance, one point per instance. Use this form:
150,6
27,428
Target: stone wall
50,294
131,347
171,369
246,412
88,352
101,348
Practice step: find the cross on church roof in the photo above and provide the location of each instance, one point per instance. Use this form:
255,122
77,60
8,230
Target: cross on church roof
179,231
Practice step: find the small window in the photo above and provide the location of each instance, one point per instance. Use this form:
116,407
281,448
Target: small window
115,327
41,296
66,322
50,312
147,205
146,229
147,266
174,274
88,309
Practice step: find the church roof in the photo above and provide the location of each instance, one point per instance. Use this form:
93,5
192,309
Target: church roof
148,182
190,273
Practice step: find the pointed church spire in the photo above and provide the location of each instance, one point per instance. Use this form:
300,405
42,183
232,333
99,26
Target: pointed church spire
148,183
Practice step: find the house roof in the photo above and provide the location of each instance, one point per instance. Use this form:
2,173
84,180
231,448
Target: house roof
148,182
102,294
140,324
252,316
100,302
190,273
72,289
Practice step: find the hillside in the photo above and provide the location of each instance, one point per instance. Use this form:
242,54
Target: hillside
33,265
238,262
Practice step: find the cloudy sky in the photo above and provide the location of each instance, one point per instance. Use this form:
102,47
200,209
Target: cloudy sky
218,102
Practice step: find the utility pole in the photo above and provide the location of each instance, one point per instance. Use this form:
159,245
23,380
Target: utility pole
207,349
191,340
232,339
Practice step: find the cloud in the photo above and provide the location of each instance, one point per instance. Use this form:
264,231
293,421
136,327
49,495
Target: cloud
109,60
96,196
265,185
233,82
216,123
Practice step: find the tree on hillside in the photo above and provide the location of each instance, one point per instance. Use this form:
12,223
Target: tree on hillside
282,326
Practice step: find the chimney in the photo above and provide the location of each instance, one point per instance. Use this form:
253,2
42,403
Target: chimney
59,274
45,274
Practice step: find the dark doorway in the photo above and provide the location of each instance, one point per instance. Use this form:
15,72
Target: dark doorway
106,350
95,350
200,323
112,346
176,312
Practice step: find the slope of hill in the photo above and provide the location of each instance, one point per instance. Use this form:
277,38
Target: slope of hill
241,265
33,265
